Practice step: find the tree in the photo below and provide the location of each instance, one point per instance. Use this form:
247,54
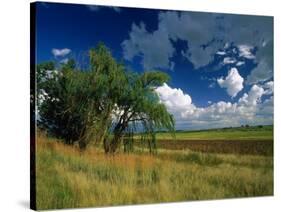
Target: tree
77,104
66,98
83,106
138,104
110,79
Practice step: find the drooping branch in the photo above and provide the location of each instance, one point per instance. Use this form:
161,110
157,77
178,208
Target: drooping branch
138,119
141,105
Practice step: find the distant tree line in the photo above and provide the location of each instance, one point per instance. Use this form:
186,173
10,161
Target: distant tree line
104,104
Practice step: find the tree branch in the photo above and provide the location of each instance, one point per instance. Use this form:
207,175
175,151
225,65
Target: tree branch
138,119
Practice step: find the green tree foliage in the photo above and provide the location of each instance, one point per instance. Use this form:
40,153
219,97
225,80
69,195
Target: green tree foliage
139,106
90,105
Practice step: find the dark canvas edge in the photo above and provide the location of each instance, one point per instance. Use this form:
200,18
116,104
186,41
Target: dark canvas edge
32,106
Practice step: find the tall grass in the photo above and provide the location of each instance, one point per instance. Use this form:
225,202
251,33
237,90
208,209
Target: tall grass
68,178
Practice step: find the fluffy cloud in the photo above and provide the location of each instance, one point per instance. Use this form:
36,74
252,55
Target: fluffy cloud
246,51
269,87
198,29
155,48
233,82
229,60
207,35
175,99
172,26
60,52
261,73
236,54
264,69
253,97
247,110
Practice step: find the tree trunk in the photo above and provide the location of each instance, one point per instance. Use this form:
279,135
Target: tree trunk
115,142
110,146
106,145
118,132
82,145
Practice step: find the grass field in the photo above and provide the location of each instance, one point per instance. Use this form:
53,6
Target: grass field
68,178
238,133
241,140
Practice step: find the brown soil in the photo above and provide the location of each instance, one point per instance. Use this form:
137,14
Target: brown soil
258,147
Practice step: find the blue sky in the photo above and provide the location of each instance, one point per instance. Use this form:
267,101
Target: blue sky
221,65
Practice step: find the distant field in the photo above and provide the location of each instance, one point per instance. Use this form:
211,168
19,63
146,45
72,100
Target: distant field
244,147
67,178
250,140
250,133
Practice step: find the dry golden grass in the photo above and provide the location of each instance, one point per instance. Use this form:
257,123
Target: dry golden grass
68,178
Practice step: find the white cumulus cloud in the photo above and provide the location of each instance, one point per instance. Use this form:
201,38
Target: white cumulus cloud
60,52
175,99
253,97
247,110
233,82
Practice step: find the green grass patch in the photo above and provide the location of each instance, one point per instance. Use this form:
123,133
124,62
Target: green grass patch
236,133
